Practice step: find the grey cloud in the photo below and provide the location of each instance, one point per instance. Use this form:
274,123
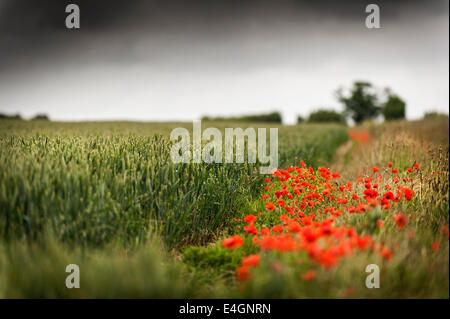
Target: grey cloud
33,32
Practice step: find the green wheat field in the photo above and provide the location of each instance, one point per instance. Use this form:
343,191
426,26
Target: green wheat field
107,197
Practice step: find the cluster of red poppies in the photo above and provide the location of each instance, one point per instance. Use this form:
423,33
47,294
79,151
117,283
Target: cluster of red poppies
309,204
359,136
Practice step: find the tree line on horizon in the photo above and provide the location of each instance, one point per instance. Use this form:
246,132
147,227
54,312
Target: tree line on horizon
17,116
361,103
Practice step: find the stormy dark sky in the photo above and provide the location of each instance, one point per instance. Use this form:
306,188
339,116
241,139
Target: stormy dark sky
178,60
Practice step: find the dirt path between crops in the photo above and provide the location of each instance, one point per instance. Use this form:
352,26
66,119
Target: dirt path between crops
342,153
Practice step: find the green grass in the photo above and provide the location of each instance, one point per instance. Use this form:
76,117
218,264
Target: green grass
37,270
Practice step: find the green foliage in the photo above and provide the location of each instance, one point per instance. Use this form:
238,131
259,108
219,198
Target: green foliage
274,117
317,146
215,257
41,116
300,119
361,103
394,108
326,116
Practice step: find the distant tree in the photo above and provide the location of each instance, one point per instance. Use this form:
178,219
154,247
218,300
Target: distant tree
274,117
361,104
430,114
14,117
41,116
326,116
394,107
434,115
300,119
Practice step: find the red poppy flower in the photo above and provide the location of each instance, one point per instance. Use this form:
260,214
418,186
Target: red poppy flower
252,260
386,253
285,218
265,231
326,192
309,275
400,220
372,202
250,218
389,195
243,273
251,229
435,246
281,202
385,203
294,227
409,193
277,229
370,193
445,230
335,175
233,242
270,206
